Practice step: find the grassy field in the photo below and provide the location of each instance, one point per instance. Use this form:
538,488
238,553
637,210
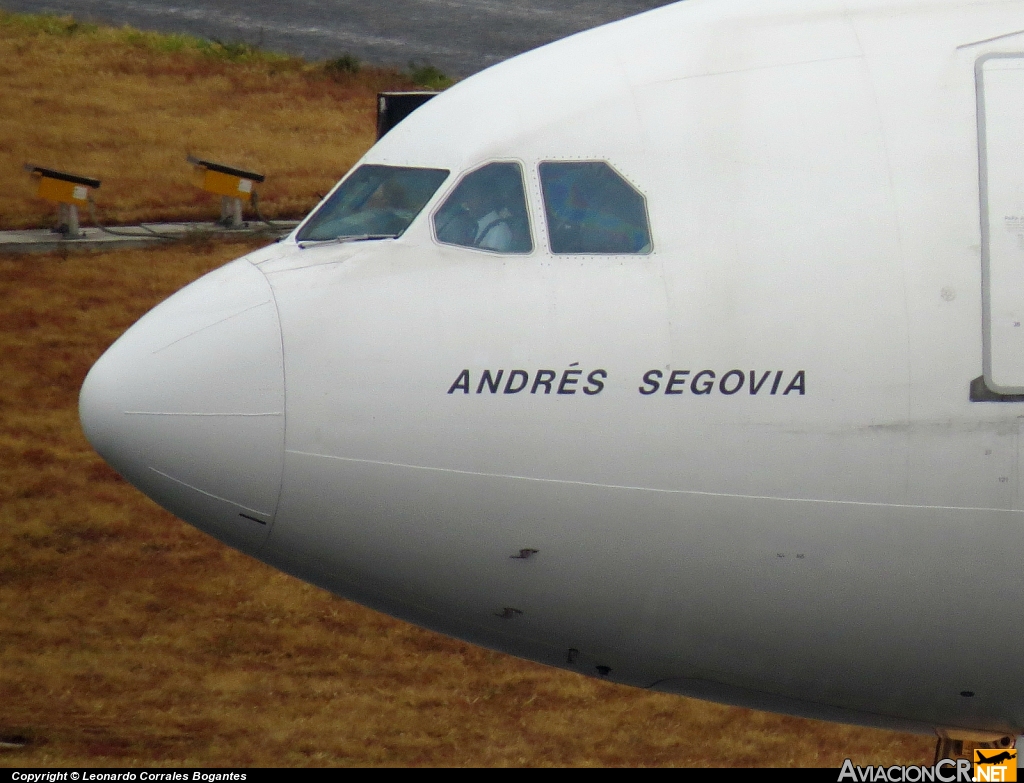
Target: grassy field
127,637
127,107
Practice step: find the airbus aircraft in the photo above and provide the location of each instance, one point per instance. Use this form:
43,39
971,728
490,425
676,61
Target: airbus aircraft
685,352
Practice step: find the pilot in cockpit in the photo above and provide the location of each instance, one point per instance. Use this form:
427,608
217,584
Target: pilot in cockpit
487,211
480,221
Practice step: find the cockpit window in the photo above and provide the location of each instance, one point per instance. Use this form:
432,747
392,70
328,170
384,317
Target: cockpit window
591,209
487,210
375,202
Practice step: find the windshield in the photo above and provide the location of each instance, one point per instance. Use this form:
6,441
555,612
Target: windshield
592,209
487,211
375,202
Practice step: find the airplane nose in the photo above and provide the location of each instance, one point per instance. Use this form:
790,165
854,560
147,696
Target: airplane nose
188,405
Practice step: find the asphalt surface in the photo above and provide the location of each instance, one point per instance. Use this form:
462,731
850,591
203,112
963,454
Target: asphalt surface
458,36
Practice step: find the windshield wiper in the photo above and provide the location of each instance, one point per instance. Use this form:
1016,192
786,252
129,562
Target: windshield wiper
304,243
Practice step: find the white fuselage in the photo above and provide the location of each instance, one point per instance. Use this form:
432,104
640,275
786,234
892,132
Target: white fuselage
834,529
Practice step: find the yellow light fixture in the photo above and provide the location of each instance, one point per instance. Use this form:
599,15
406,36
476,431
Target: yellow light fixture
231,184
66,190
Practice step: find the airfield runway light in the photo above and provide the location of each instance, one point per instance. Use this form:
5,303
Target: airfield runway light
231,184
68,191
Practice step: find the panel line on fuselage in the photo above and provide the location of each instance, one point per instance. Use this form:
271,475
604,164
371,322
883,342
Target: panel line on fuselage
210,326
210,494
755,68
695,492
990,40
187,413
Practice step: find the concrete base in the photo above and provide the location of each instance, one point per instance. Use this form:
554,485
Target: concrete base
47,240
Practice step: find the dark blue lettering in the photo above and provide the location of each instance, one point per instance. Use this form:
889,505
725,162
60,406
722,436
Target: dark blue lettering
778,377
755,389
492,383
594,378
569,378
709,382
516,374
462,382
650,380
797,384
677,378
543,378
722,385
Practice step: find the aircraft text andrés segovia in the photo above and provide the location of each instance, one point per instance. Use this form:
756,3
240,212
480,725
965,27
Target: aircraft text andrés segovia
574,379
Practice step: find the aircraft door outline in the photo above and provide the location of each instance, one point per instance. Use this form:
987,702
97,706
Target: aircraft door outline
999,81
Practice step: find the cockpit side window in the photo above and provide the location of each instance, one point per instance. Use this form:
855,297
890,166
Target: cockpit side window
487,211
374,202
591,209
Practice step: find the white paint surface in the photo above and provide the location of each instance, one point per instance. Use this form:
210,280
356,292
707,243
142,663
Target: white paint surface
811,172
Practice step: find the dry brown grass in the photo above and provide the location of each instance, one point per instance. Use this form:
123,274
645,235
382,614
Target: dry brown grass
127,107
127,637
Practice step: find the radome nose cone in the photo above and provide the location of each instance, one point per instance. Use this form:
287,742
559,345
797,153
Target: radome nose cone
188,405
